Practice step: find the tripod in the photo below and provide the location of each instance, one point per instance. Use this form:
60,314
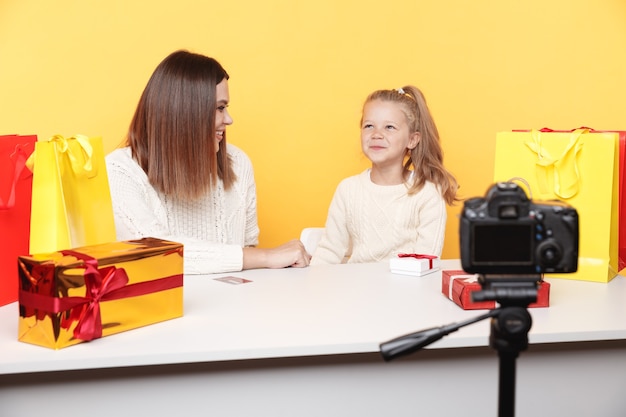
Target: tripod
510,324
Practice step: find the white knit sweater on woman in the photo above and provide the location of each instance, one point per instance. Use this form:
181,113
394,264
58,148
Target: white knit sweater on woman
377,222
213,229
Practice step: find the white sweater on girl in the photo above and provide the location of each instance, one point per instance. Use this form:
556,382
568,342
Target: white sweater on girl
376,222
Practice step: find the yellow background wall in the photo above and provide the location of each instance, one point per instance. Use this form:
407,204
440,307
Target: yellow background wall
300,71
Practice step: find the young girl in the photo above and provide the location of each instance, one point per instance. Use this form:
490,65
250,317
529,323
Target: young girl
399,204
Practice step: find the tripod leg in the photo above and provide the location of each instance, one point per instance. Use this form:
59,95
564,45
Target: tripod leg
506,398
509,336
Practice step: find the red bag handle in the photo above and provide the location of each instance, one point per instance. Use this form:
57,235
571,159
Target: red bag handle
18,157
547,129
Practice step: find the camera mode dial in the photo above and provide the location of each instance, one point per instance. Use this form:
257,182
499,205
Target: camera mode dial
548,251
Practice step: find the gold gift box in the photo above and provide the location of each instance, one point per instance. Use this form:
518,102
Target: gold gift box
74,296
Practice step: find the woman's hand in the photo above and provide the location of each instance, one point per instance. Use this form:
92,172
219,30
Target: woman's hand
288,254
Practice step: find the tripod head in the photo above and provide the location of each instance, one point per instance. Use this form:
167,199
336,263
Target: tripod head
514,293
508,289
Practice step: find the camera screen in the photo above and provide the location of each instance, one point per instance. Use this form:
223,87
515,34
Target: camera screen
503,244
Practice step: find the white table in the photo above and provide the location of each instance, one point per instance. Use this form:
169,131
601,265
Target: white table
305,342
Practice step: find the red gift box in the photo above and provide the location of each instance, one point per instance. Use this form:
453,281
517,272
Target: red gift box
74,296
458,286
543,295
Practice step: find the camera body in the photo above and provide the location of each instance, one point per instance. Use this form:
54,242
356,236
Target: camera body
506,233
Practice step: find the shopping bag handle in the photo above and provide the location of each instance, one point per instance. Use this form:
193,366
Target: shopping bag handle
81,160
547,129
565,167
81,157
18,157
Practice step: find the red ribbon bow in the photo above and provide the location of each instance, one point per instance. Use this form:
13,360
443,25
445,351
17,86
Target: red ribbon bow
419,256
104,284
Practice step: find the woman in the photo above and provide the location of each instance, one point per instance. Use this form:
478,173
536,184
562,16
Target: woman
178,179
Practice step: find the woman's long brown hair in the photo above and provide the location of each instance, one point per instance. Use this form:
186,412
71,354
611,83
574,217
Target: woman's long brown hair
172,134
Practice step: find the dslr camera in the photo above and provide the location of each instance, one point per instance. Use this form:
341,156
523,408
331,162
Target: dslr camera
507,233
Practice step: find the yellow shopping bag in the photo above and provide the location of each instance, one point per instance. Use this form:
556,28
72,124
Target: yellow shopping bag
71,201
580,168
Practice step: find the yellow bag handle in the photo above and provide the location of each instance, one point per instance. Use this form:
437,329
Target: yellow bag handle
565,167
80,157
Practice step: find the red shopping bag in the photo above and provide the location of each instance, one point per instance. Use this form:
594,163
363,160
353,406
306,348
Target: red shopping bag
15,203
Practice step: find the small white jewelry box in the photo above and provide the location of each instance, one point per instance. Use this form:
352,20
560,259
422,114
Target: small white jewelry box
414,264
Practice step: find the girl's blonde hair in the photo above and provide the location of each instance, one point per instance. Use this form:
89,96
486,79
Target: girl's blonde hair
426,159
